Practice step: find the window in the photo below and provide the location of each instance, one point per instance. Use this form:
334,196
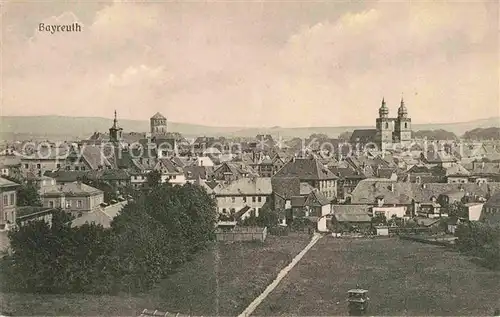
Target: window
82,168
77,168
259,199
233,200
406,125
253,199
387,125
12,199
51,204
58,166
244,199
5,200
68,204
39,166
26,166
79,204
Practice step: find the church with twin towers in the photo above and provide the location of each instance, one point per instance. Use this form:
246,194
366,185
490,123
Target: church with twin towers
389,132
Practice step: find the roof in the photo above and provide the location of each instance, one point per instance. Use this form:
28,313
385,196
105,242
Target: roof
316,199
305,189
351,213
286,187
247,186
494,201
352,217
240,213
306,169
158,116
403,193
101,216
5,183
298,201
9,160
363,136
70,189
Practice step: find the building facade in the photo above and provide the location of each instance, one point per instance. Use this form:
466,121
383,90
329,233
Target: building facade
390,131
7,202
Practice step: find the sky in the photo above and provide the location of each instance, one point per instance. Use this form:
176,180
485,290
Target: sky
253,63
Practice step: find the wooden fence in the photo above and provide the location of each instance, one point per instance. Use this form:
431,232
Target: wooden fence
450,242
242,234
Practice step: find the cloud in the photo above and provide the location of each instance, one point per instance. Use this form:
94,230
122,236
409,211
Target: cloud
251,64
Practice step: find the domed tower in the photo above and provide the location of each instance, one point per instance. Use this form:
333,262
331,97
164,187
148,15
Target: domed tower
383,111
158,124
115,132
403,124
384,125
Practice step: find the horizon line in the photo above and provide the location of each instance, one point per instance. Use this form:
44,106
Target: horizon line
244,127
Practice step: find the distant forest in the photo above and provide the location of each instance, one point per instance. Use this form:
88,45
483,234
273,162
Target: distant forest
440,134
482,134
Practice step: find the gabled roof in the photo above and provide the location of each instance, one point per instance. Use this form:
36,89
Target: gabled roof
399,193
286,187
158,116
306,169
351,213
317,199
166,166
363,136
298,201
69,189
247,186
5,183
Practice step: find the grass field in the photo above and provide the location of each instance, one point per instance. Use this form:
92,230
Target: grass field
403,278
221,281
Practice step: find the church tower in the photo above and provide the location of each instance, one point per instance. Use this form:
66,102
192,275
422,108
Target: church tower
115,132
158,124
403,124
384,126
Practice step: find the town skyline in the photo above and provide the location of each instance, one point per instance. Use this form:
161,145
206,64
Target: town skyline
251,65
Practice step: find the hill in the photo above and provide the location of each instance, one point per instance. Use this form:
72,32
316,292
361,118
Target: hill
59,127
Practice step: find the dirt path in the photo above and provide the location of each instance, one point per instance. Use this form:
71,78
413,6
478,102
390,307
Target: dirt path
256,302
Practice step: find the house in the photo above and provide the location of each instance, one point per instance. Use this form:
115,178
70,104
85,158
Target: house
431,209
491,209
90,157
440,158
10,165
318,206
252,192
382,230
100,216
231,171
348,180
350,217
474,211
76,197
43,159
411,196
452,224
28,214
312,172
169,172
8,202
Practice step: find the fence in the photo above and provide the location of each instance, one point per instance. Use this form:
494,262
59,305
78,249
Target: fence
287,231
430,240
242,234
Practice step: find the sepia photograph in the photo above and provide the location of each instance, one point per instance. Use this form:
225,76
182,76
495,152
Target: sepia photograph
249,158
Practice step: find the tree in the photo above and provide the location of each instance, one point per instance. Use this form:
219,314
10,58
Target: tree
345,136
153,179
27,195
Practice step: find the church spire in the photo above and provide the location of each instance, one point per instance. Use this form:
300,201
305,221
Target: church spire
115,121
383,111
